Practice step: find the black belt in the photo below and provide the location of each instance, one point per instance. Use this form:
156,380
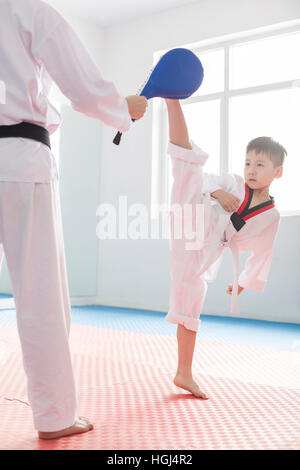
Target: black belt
27,130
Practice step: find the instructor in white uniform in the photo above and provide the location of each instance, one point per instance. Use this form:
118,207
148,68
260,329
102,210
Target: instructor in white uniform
38,46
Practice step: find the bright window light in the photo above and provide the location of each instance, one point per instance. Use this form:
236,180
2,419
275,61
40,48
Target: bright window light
271,60
213,65
251,88
274,114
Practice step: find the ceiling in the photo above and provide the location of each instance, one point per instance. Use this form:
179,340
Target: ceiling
109,12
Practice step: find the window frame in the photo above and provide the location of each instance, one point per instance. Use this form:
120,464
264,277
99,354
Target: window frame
160,164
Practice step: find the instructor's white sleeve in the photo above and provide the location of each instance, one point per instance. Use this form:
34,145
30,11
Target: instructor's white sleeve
72,68
257,266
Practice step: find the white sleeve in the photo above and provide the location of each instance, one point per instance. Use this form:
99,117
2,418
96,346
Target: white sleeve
257,266
56,45
212,182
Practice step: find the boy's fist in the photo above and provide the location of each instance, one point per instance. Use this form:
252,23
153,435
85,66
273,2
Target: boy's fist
137,106
229,202
229,290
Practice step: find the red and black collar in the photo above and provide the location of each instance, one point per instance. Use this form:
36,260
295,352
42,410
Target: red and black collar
239,217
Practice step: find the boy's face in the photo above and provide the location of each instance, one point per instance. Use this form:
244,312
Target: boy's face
259,170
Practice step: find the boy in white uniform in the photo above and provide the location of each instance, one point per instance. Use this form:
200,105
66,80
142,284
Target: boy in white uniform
38,46
241,215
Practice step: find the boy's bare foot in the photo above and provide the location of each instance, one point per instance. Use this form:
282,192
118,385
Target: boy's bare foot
80,426
187,383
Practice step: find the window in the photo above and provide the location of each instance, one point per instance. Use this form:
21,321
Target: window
251,88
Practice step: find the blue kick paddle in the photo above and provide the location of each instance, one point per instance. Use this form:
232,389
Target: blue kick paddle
177,75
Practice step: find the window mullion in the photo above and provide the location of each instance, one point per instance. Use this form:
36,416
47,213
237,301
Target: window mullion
166,160
224,124
265,88
244,37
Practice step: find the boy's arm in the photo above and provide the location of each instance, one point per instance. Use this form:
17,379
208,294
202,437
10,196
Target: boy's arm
257,266
223,188
227,200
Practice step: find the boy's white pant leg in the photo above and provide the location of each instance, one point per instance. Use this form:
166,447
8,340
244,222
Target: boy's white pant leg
188,291
187,294
32,237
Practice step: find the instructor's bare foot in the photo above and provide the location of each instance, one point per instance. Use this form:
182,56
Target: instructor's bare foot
187,383
80,426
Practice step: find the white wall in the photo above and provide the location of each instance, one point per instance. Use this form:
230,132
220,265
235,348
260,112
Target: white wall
136,273
80,155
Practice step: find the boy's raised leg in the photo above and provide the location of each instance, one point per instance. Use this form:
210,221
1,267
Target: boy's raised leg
178,131
178,134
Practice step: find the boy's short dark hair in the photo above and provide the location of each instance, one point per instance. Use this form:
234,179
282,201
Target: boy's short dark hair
274,150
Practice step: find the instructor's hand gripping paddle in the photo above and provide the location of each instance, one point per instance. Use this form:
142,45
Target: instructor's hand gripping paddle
177,75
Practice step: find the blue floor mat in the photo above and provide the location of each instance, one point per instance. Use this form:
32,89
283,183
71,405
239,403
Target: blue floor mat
213,328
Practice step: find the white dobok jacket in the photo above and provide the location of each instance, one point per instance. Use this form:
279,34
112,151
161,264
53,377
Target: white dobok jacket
46,49
259,224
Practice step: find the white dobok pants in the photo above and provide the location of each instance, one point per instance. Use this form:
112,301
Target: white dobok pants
32,237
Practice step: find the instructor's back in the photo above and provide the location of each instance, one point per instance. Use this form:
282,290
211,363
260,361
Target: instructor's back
37,47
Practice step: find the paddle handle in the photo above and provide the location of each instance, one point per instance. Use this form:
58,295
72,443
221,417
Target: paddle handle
118,136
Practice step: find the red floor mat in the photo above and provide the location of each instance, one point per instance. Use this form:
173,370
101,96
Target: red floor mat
124,383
